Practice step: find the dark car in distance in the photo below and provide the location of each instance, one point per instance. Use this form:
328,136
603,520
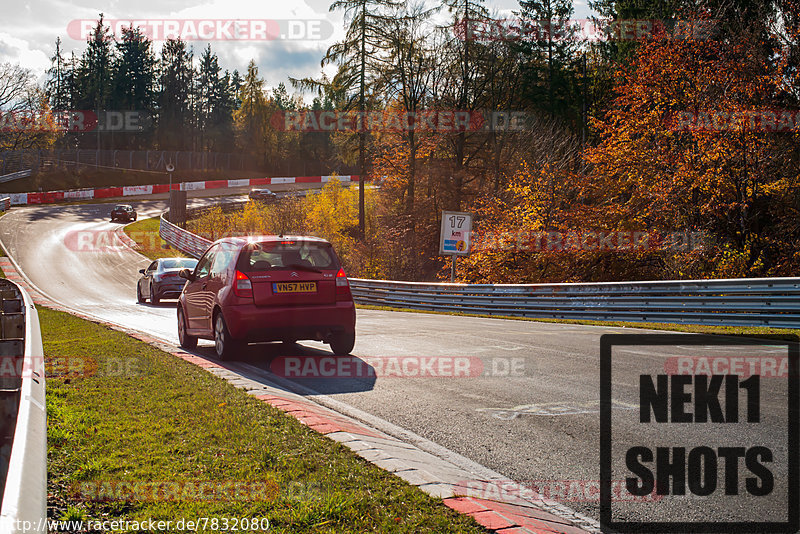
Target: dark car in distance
263,194
123,212
161,279
267,288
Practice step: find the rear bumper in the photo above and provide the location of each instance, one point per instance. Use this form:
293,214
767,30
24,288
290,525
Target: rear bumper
170,290
253,323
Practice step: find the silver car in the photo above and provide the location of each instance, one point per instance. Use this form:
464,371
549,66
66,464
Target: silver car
161,281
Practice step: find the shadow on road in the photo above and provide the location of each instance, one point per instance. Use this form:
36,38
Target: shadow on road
85,212
166,303
308,367
76,212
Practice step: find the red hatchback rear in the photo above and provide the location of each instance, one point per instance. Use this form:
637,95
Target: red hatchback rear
267,289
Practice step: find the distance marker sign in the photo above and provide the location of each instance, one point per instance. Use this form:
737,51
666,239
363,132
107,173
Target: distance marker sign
456,232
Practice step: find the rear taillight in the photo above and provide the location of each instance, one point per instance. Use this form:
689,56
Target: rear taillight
342,286
242,287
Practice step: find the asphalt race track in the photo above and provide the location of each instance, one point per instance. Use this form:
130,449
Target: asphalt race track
526,403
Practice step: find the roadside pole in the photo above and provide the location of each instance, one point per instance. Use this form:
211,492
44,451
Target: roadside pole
170,168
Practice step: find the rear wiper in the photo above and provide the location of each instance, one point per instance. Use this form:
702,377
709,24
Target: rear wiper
302,267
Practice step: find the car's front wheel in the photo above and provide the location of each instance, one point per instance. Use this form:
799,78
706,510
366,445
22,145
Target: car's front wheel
225,345
342,344
139,296
186,341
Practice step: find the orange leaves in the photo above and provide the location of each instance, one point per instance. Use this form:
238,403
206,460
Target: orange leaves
690,142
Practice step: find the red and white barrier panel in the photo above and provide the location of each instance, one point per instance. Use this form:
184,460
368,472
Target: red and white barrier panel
49,197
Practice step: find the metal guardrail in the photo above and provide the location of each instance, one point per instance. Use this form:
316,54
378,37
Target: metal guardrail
733,302
23,439
181,239
186,241
15,176
736,302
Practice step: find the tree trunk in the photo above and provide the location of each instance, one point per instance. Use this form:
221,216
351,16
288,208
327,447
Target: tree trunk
362,138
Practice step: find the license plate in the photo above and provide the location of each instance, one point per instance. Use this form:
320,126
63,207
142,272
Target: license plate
294,287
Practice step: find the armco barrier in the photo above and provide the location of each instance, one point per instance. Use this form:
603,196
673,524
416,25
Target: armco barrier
182,240
49,197
23,435
15,176
188,242
735,302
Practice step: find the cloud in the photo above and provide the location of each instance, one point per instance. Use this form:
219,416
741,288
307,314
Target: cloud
29,32
15,50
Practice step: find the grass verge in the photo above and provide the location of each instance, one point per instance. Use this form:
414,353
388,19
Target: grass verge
143,416
145,233
2,255
754,331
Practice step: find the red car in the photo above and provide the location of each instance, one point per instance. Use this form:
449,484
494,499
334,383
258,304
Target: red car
270,288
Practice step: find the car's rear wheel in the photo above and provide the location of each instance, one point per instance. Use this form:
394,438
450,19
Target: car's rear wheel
153,298
224,345
342,344
186,341
139,296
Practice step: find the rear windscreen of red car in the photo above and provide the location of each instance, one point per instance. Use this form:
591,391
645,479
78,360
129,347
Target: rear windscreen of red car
291,272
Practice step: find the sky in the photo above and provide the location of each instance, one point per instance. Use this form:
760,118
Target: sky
29,31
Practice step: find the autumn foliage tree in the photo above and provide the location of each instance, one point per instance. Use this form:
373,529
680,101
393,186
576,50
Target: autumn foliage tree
695,140
699,139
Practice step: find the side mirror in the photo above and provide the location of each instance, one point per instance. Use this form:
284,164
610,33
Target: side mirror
186,273
141,271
